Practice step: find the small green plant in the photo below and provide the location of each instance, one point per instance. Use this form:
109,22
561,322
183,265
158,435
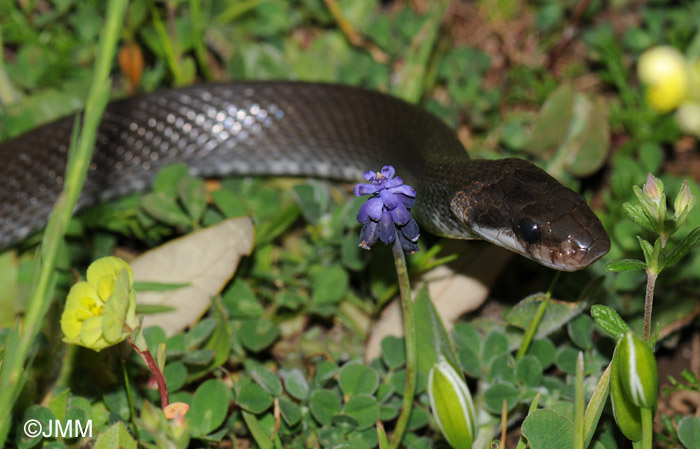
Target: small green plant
634,373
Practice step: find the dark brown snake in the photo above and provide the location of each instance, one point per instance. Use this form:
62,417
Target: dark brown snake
329,131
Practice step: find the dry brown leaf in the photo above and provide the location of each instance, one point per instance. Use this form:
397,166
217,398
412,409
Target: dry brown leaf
205,259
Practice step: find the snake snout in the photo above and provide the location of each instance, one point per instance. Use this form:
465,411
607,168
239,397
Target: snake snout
586,247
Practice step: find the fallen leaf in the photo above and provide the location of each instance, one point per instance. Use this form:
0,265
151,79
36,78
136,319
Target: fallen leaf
205,259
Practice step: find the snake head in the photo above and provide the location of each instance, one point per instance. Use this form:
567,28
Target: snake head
514,204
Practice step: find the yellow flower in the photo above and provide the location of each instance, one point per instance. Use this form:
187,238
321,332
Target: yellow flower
100,312
665,72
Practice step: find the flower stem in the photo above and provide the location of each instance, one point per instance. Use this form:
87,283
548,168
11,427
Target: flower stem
647,430
79,157
134,427
409,329
157,374
648,302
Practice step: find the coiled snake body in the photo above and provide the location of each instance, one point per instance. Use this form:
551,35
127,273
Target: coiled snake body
284,128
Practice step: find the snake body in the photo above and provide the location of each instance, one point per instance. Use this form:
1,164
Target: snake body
304,129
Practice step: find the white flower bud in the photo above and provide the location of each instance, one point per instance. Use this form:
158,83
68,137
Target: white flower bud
452,405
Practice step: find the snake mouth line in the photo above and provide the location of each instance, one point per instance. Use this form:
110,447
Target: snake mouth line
566,257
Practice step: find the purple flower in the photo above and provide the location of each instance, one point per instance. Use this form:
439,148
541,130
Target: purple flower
386,215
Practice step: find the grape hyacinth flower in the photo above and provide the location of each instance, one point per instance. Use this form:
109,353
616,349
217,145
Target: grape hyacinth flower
386,216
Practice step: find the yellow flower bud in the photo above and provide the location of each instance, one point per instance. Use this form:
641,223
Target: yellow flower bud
665,72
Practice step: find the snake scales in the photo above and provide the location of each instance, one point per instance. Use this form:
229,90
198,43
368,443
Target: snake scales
320,130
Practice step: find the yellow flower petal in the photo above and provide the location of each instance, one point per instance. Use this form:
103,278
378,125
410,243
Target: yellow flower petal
103,272
91,331
70,326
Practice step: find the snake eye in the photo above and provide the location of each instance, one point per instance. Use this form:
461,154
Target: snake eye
528,230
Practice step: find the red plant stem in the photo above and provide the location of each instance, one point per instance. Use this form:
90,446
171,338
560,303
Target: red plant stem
157,374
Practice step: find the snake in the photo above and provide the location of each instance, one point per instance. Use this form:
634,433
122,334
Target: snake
308,130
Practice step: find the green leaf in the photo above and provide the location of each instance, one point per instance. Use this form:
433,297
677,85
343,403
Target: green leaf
271,229
625,265
192,192
608,319
264,377
469,359
544,429
165,208
529,371
175,375
59,404
314,200
355,378
544,350
34,412
555,315
254,398
228,203
156,286
291,413
330,285
648,251
295,383
258,334
168,178
200,332
580,330
497,393
352,256
209,406
364,409
683,247
325,372
324,405
651,155
434,342
260,435
117,403
689,431
595,406
116,437
495,344
393,352
240,300
219,340
637,215
567,358
200,357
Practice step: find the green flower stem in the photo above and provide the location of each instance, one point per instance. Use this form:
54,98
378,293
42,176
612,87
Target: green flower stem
530,332
79,159
647,429
648,302
157,374
579,435
409,329
129,397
